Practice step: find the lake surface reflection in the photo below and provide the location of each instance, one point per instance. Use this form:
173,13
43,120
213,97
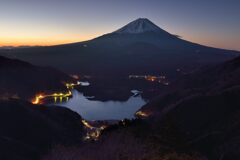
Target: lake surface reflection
97,110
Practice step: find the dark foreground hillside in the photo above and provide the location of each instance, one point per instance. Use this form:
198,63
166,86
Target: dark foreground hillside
198,120
29,131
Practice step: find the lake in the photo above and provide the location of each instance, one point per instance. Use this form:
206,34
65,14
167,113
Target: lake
98,110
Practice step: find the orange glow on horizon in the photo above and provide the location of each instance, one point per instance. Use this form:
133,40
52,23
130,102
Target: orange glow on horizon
43,38
39,42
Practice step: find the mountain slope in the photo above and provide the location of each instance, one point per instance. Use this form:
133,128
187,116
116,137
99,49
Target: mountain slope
23,80
206,81
204,107
140,47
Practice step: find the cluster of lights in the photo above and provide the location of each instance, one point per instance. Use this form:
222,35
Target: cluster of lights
93,133
61,95
38,98
72,85
160,79
142,114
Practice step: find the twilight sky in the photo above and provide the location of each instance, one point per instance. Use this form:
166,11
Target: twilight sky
47,22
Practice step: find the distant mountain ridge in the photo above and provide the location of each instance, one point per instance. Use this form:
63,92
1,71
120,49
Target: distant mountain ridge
140,47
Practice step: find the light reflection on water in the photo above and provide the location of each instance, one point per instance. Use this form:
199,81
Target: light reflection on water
97,110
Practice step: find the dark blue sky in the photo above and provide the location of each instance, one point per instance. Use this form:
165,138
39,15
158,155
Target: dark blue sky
45,22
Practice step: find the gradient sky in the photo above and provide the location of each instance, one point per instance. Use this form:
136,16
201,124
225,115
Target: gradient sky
47,22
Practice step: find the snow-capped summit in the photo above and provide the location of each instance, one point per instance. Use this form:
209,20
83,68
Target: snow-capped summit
140,25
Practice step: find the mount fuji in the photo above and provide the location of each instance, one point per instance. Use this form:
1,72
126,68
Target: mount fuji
140,25
140,47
